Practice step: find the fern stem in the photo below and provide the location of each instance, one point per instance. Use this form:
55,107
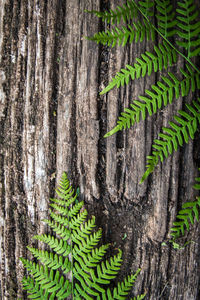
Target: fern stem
154,27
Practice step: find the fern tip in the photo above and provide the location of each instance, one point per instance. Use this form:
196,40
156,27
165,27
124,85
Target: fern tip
111,132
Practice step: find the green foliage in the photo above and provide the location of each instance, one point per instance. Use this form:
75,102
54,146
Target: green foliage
74,253
188,27
125,12
166,17
183,25
187,215
180,131
163,57
159,96
138,32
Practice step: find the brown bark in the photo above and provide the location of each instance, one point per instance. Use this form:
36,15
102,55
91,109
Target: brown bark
52,119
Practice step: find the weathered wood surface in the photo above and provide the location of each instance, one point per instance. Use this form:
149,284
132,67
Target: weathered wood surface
53,120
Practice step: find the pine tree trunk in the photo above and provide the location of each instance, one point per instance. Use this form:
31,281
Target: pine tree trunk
52,119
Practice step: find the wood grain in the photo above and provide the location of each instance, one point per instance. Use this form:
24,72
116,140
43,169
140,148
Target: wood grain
52,119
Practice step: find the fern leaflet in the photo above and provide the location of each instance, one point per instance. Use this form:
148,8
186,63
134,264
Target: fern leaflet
161,95
185,127
163,57
188,27
126,12
138,32
166,17
187,215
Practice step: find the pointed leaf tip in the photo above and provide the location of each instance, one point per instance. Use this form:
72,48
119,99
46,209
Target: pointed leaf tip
111,132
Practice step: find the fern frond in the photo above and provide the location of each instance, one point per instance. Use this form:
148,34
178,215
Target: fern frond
121,36
187,215
126,12
188,27
161,95
123,288
166,17
74,250
163,57
185,127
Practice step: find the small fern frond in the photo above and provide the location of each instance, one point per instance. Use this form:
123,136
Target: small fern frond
162,94
163,57
126,12
121,36
74,253
187,215
185,127
123,288
188,27
166,17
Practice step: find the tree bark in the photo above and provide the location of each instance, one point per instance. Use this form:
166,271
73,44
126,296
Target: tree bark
52,119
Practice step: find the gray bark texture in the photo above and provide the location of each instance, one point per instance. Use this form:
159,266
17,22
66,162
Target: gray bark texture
52,119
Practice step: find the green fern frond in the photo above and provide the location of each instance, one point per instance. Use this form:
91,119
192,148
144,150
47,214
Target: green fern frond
161,95
73,251
121,36
187,215
123,288
185,127
126,12
163,57
188,27
166,17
